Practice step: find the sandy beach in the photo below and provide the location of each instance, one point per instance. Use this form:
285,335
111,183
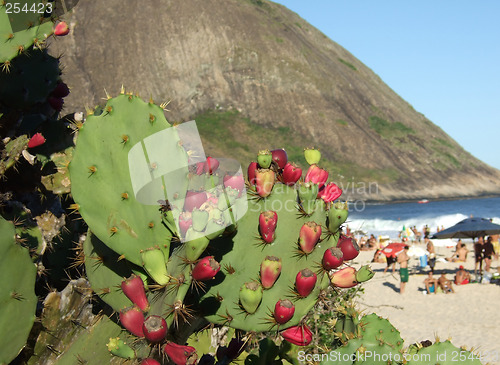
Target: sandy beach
470,317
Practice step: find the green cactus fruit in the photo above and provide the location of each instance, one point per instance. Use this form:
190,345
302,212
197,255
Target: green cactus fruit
364,273
312,155
32,77
264,159
195,246
307,196
251,296
101,175
337,215
119,348
22,30
200,219
17,294
153,261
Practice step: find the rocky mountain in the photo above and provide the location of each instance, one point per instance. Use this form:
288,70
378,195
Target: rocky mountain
256,75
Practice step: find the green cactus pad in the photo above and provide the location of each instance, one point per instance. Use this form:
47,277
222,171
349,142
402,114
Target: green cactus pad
17,293
443,353
242,264
361,352
20,31
377,329
12,152
101,183
33,75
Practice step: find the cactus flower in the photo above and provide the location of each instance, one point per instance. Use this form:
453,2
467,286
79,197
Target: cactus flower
329,192
283,311
291,174
332,258
267,225
180,355
264,182
316,175
309,236
305,282
270,270
298,335
205,269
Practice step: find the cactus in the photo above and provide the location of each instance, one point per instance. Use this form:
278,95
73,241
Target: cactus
12,152
17,295
443,353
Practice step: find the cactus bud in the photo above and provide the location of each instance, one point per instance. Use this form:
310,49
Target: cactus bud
180,355
337,215
280,157
270,270
267,225
316,175
251,296
283,311
119,348
291,174
305,282
264,182
309,236
133,288
298,335
132,319
264,159
349,247
364,273
332,258
345,278
312,156
205,269
155,328
252,171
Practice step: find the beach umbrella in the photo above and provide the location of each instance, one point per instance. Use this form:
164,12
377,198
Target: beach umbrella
469,228
392,249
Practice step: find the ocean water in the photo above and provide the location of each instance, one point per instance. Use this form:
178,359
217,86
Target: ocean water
389,219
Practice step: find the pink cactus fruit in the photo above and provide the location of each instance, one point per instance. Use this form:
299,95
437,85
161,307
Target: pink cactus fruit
332,258
133,288
280,157
154,328
291,174
283,311
316,175
267,225
270,270
180,355
349,247
305,281
205,269
132,319
309,236
298,335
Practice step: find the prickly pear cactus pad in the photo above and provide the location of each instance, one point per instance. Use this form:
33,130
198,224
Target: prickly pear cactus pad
443,353
100,178
226,300
17,294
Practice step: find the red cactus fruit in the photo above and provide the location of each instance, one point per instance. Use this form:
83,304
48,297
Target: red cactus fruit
185,221
291,174
36,140
149,361
56,103
180,355
280,157
270,270
267,225
194,199
332,258
60,91
154,328
133,288
298,335
349,247
61,29
305,282
329,192
316,175
132,319
264,182
205,269
234,181
211,165
309,236
345,278
252,171
283,311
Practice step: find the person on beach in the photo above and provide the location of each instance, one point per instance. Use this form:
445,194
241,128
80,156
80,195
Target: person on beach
402,259
496,245
488,252
445,284
432,253
462,277
390,261
377,257
478,254
459,255
430,284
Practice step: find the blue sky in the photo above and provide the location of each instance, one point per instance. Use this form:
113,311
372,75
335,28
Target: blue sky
443,57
